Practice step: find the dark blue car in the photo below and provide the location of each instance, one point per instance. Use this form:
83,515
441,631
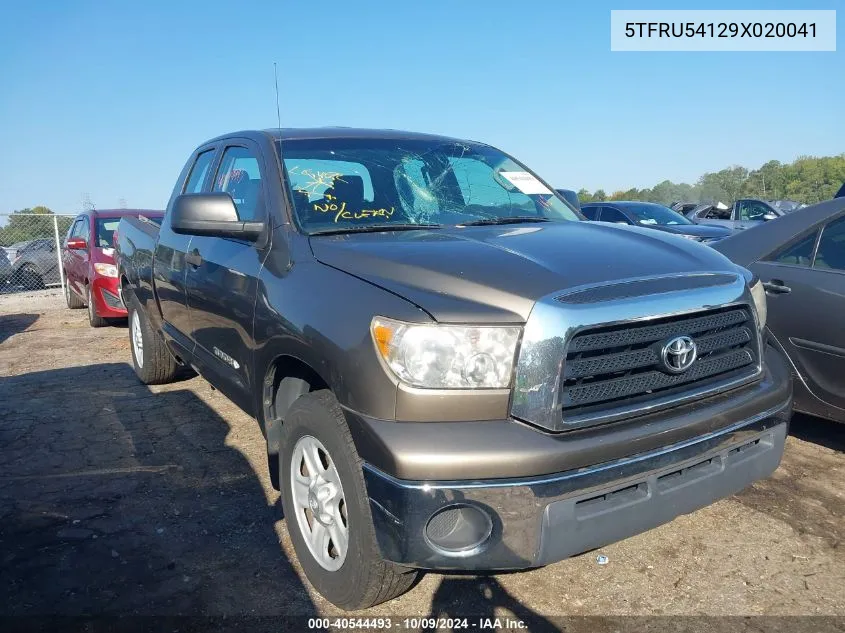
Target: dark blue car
653,216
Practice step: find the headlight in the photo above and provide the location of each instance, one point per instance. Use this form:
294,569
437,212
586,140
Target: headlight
447,356
694,238
106,270
759,295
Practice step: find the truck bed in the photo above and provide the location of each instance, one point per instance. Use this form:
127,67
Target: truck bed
136,242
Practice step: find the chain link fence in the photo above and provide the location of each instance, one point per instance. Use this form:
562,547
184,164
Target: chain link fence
30,251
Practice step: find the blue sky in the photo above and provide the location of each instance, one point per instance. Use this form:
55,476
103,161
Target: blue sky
110,98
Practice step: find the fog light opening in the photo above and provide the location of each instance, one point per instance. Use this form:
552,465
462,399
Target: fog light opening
458,530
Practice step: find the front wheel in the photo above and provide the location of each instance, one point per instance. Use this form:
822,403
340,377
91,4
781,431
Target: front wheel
328,511
71,298
94,319
152,361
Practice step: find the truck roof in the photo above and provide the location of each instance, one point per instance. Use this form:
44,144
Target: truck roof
288,134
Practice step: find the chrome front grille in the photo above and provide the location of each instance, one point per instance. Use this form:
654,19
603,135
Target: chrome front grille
604,365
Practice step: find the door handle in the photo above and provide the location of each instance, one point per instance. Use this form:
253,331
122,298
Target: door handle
776,287
193,258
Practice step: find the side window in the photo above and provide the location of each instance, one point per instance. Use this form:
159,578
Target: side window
240,177
85,230
591,213
198,172
798,253
717,214
609,214
831,253
751,210
75,228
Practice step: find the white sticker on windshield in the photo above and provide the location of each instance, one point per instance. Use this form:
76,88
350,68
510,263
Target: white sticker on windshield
525,182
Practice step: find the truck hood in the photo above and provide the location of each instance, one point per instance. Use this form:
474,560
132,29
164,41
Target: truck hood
495,274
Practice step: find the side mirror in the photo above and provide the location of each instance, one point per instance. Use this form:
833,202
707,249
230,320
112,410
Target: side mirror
213,215
770,216
77,244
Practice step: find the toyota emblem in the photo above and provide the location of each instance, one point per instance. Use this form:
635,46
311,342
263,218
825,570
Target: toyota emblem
678,354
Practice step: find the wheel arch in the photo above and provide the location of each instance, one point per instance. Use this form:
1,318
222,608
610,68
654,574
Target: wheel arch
286,378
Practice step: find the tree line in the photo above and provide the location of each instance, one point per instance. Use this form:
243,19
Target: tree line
808,179
31,224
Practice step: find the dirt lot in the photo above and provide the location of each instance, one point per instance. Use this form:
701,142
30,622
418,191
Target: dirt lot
120,499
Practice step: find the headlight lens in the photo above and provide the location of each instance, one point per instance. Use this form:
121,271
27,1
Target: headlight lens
759,295
694,238
447,356
106,270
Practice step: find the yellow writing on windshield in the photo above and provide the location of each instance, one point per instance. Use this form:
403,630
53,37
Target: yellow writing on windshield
342,213
316,180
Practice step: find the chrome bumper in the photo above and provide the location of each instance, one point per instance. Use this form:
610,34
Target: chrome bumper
540,520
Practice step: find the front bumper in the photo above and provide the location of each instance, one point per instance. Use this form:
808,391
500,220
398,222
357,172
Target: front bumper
615,482
107,303
542,520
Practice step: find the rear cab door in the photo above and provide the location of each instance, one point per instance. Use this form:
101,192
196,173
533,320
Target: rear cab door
222,276
805,314
169,266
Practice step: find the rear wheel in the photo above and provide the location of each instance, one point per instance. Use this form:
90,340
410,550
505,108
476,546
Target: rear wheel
93,318
328,511
152,361
30,278
71,298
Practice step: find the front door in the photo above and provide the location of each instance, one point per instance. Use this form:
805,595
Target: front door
75,260
222,281
806,303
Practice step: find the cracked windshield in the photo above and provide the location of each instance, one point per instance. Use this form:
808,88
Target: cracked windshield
365,184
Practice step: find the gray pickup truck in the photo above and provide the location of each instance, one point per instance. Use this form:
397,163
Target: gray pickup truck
451,369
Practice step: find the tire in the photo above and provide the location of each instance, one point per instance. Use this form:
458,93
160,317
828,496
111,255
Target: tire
363,578
156,366
31,279
72,299
94,319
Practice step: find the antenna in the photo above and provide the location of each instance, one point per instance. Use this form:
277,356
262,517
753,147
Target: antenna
278,112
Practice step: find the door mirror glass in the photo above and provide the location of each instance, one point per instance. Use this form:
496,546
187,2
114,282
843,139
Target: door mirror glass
76,244
211,214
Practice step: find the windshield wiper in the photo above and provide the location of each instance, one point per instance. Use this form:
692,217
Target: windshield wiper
513,220
376,228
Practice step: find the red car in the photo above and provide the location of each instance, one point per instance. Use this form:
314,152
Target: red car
88,263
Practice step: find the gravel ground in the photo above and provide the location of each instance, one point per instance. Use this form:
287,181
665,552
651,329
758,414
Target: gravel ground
122,499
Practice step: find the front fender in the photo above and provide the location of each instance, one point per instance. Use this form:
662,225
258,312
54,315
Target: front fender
321,316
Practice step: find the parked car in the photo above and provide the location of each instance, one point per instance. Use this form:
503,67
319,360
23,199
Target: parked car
800,258
5,267
452,370
571,197
88,261
743,214
652,216
34,264
684,207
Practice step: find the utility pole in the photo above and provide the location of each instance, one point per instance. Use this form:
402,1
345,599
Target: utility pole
87,205
121,203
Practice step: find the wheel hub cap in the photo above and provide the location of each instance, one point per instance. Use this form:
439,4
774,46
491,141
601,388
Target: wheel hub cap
319,503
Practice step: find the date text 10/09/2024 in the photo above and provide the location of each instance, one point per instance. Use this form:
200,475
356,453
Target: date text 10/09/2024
720,29
418,623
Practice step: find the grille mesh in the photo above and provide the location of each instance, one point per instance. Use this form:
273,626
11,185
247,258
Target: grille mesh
605,365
